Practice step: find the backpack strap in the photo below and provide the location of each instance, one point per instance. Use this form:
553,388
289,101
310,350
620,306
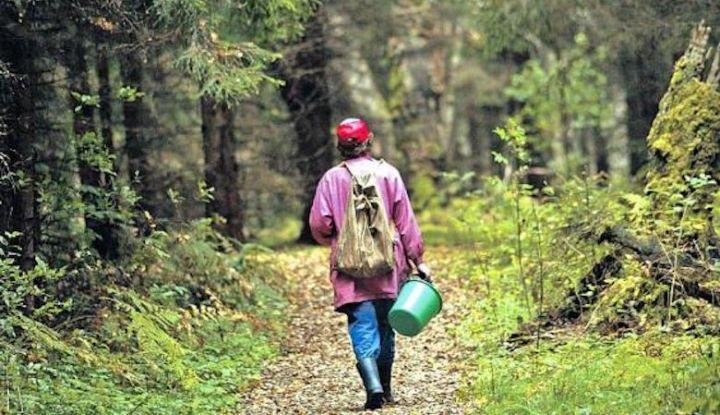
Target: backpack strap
347,166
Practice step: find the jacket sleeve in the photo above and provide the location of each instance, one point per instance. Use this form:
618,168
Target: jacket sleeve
322,225
407,226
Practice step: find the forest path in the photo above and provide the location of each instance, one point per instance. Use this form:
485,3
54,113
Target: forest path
316,374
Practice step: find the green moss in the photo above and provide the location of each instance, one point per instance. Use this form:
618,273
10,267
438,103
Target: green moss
684,177
684,135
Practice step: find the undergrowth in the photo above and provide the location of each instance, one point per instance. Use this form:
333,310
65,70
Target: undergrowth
194,329
648,374
521,252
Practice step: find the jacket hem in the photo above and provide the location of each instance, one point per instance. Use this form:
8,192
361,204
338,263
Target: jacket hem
368,297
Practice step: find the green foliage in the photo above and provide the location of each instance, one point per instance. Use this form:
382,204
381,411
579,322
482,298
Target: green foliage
68,206
17,287
227,72
169,372
225,47
84,100
653,374
129,94
196,255
505,25
174,347
568,370
514,135
284,230
564,95
91,151
554,225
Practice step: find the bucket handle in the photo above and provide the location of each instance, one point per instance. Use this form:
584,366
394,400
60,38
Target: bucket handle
417,273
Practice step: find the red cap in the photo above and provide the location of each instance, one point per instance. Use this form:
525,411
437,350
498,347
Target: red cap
352,130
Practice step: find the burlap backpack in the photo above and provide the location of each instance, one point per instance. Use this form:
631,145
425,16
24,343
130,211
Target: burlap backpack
365,243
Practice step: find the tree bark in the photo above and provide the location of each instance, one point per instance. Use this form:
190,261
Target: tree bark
23,120
483,141
599,150
643,75
306,93
105,94
8,159
104,239
221,167
136,120
83,122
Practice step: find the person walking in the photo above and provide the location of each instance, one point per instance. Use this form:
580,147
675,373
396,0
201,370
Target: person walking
376,194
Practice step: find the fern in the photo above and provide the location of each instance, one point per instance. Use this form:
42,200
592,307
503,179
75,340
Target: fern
161,351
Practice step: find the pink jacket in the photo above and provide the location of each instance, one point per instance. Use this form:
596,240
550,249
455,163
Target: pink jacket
328,211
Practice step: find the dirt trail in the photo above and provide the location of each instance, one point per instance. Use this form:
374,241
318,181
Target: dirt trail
315,373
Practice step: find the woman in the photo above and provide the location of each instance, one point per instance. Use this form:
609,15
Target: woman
366,302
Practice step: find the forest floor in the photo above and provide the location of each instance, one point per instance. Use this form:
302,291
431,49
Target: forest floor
315,373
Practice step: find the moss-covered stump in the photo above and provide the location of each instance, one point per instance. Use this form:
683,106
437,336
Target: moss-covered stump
684,141
665,263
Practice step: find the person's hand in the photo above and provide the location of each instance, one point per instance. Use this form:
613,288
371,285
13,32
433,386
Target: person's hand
424,272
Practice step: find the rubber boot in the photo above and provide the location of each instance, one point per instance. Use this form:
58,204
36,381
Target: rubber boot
371,380
385,370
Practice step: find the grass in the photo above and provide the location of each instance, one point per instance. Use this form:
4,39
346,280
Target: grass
283,231
576,372
655,370
649,374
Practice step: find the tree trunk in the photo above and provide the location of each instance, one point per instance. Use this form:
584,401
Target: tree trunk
479,146
8,159
221,167
383,53
83,122
105,94
104,239
136,120
449,102
599,149
644,80
483,141
307,96
23,120
684,145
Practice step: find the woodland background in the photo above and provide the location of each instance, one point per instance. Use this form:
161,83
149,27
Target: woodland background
152,150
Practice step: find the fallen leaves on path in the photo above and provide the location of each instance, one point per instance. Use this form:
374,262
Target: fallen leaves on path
316,374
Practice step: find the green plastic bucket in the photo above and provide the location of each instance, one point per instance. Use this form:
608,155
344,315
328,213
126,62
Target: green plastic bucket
418,302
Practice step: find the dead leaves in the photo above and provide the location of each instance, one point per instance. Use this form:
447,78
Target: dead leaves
316,373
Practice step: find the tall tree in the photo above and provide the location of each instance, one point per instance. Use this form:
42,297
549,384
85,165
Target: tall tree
306,93
221,166
137,123
24,115
383,49
8,82
105,95
93,155
483,141
643,74
225,49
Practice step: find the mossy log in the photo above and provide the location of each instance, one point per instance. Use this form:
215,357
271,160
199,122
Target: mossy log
688,274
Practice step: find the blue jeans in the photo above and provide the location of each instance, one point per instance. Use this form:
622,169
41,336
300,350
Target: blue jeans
370,331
